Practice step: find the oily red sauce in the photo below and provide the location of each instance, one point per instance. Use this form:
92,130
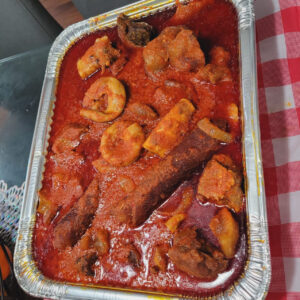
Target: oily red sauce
216,24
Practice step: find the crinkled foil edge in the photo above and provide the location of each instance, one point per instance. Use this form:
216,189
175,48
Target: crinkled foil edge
254,282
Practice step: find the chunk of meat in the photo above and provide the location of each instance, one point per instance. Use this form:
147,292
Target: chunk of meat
156,54
143,113
121,143
220,183
69,138
171,129
74,224
84,263
161,179
128,254
215,181
226,230
218,69
185,53
133,34
219,56
98,56
196,256
101,241
213,74
159,259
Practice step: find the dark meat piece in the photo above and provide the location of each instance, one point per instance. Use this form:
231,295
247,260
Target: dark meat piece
156,54
69,138
185,53
142,113
132,33
196,256
220,183
74,224
159,181
85,263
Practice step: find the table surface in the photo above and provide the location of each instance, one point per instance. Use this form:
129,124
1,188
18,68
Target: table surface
278,58
21,79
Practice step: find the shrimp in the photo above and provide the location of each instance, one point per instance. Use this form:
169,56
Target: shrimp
104,100
98,56
121,143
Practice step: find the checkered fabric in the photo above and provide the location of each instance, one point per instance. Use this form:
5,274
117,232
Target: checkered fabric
278,58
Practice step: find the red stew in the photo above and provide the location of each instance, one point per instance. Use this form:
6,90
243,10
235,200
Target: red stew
215,24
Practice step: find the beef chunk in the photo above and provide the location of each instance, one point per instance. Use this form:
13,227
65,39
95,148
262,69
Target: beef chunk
195,256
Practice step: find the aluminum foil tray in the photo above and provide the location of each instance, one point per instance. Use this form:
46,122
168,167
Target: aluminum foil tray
254,282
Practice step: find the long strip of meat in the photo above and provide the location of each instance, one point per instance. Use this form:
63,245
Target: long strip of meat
74,224
164,177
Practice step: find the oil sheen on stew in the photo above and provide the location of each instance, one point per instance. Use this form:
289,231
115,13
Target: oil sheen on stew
143,183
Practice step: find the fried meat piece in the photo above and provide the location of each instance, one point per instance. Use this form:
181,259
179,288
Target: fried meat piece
171,129
156,54
185,53
69,138
98,56
218,69
196,256
159,260
74,224
226,230
161,179
132,33
220,182
175,45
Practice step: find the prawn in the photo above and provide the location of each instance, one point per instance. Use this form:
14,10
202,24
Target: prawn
98,56
121,143
104,100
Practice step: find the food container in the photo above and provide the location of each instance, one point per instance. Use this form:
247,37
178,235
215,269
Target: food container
254,282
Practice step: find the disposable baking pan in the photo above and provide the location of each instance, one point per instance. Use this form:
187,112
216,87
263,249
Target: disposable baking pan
254,282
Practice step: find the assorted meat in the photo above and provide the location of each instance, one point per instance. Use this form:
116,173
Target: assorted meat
172,133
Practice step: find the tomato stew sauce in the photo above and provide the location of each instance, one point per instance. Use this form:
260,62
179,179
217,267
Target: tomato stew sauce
214,24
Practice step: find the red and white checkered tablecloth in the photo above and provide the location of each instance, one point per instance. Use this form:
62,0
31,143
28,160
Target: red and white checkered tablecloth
278,58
